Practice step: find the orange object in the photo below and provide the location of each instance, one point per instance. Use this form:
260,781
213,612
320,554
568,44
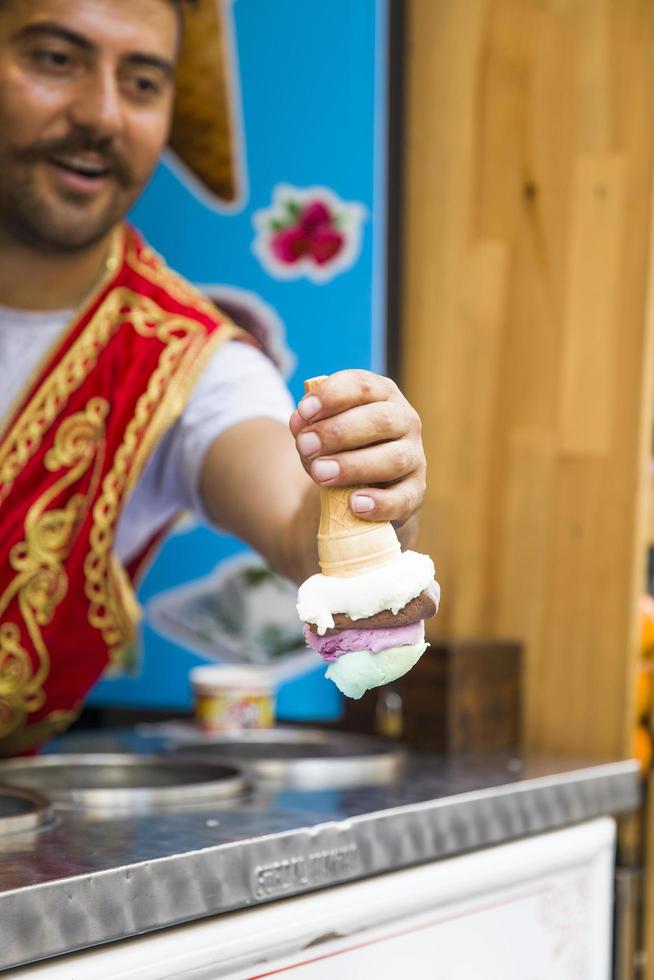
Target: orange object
642,748
644,686
646,611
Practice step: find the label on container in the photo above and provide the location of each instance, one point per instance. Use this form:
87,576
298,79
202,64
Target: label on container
224,712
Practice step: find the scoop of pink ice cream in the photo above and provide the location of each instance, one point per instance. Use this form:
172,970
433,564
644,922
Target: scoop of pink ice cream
332,647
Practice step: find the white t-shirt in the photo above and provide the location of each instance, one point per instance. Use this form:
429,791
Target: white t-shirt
238,383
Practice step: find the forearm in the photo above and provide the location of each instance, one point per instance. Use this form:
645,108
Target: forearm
253,486
300,552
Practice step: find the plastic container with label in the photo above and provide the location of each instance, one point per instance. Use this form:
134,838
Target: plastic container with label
229,698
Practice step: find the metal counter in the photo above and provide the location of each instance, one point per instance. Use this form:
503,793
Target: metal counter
94,877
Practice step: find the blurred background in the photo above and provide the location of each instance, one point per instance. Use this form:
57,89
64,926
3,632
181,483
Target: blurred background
471,183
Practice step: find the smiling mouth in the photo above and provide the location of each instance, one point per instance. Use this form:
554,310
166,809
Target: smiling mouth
81,167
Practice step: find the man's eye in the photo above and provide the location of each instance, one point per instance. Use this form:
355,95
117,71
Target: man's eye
145,86
51,59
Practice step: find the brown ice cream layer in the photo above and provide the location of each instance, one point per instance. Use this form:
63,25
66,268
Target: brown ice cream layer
422,607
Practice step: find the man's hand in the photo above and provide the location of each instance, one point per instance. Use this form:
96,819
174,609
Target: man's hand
254,485
358,430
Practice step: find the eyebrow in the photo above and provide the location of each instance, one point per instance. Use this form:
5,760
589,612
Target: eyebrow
49,28
151,61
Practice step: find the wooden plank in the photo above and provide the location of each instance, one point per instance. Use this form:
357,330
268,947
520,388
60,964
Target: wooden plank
478,357
589,389
525,141
518,590
442,52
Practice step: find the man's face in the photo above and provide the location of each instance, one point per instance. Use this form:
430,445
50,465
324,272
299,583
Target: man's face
86,92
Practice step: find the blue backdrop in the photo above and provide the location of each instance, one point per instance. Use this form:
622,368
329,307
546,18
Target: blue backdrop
309,83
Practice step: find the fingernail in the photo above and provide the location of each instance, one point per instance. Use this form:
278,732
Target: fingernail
308,443
362,505
325,469
309,407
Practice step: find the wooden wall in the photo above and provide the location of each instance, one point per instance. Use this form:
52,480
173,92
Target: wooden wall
526,339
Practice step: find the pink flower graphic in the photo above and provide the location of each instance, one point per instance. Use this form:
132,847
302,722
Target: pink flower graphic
314,215
308,232
289,244
325,243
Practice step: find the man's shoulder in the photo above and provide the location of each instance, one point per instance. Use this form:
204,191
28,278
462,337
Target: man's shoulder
151,275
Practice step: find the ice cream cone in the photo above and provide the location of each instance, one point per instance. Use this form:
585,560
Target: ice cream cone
347,544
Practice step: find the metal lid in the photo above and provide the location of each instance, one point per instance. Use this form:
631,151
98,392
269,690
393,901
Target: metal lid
22,811
305,758
125,782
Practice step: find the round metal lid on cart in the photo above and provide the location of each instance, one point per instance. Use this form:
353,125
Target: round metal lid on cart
126,782
22,811
306,758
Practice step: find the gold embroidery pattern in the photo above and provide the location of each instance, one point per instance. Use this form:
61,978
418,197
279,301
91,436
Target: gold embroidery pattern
27,433
16,700
23,738
114,259
41,582
113,609
152,267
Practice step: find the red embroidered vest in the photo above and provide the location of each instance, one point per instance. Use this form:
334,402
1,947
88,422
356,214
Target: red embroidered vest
69,456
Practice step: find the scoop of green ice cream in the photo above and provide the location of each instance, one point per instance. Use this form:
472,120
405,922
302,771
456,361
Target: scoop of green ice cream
356,672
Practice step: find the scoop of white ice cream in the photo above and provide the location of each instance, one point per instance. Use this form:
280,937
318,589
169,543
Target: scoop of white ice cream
357,672
388,586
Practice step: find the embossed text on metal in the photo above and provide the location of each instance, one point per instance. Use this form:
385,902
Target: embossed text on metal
299,872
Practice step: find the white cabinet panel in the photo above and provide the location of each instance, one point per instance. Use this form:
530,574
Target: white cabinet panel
536,909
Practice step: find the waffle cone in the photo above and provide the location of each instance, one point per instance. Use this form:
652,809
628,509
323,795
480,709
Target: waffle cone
347,544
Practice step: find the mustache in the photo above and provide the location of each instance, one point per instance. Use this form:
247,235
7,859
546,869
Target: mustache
82,142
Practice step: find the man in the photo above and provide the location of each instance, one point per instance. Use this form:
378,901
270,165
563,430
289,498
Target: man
125,396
